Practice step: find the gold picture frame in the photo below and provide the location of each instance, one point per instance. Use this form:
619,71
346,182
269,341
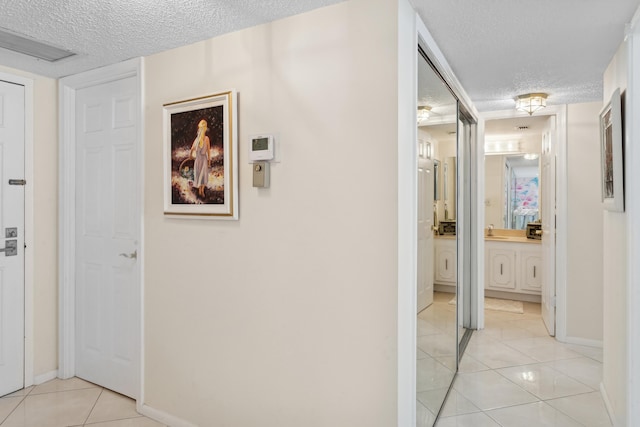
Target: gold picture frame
201,157
612,158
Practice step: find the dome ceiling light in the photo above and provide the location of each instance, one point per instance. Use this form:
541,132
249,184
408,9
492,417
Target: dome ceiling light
531,102
423,112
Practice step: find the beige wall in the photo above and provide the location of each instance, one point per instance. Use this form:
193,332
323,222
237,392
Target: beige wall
584,234
614,275
288,316
45,213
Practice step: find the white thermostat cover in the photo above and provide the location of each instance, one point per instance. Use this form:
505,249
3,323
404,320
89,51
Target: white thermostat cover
261,148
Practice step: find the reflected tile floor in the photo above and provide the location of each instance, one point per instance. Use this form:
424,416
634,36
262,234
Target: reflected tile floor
70,403
513,374
436,362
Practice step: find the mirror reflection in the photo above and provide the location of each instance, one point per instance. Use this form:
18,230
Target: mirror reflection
512,195
437,250
512,172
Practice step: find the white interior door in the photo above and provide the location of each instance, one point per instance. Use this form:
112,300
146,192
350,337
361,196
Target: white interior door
107,236
548,189
12,237
425,228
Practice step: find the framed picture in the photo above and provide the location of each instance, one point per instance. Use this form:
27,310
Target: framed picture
201,157
611,154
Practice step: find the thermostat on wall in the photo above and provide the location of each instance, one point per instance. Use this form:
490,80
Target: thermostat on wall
261,148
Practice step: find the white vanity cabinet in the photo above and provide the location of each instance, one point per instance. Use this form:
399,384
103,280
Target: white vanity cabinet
445,261
513,267
501,267
531,270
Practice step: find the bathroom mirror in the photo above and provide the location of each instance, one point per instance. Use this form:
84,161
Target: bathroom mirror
512,171
437,180
450,186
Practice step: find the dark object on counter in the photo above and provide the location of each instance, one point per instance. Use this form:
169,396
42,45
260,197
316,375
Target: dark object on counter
534,230
447,227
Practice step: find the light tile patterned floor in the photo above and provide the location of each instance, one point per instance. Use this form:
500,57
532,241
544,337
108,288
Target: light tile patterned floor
513,374
70,403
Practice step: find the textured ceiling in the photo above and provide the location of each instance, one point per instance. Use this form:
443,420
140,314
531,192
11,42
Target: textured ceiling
497,48
107,32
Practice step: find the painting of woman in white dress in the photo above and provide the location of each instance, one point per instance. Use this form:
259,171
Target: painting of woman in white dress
197,157
200,141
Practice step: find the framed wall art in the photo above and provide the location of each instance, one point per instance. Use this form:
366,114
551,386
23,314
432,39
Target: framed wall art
201,157
612,158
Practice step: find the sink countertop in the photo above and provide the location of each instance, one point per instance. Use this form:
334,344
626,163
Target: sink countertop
499,235
445,236
511,239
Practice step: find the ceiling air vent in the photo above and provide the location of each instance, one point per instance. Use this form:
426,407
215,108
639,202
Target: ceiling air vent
31,47
521,127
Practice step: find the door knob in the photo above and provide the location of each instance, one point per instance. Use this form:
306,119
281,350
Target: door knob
11,248
133,255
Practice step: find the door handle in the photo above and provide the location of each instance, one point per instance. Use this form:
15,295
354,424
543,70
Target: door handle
501,269
133,255
534,271
11,248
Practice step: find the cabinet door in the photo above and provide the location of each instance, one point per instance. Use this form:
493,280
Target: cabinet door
501,269
445,264
531,271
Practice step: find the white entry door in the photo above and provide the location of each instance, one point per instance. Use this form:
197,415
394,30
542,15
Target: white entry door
12,237
107,235
425,227
548,165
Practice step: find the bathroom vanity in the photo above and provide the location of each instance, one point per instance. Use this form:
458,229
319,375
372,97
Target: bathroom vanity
445,263
513,265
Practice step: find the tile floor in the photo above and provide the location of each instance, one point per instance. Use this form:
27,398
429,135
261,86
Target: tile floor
70,403
513,374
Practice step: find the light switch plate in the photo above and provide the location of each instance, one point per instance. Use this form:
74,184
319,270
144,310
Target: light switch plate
261,174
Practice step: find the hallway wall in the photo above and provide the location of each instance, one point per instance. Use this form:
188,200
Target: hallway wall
288,316
584,234
45,212
614,274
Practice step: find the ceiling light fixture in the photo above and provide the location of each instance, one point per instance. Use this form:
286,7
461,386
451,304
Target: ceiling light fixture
423,112
492,147
530,156
531,102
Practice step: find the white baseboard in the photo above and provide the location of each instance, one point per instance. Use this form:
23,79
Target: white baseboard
43,378
607,404
512,296
583,341
163,417
450,289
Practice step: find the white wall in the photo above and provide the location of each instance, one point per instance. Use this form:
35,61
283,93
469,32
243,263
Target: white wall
584,234
614,275
45,212
288,316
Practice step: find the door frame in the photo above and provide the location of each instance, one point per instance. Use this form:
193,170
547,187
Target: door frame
560,111
67,178
29,265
